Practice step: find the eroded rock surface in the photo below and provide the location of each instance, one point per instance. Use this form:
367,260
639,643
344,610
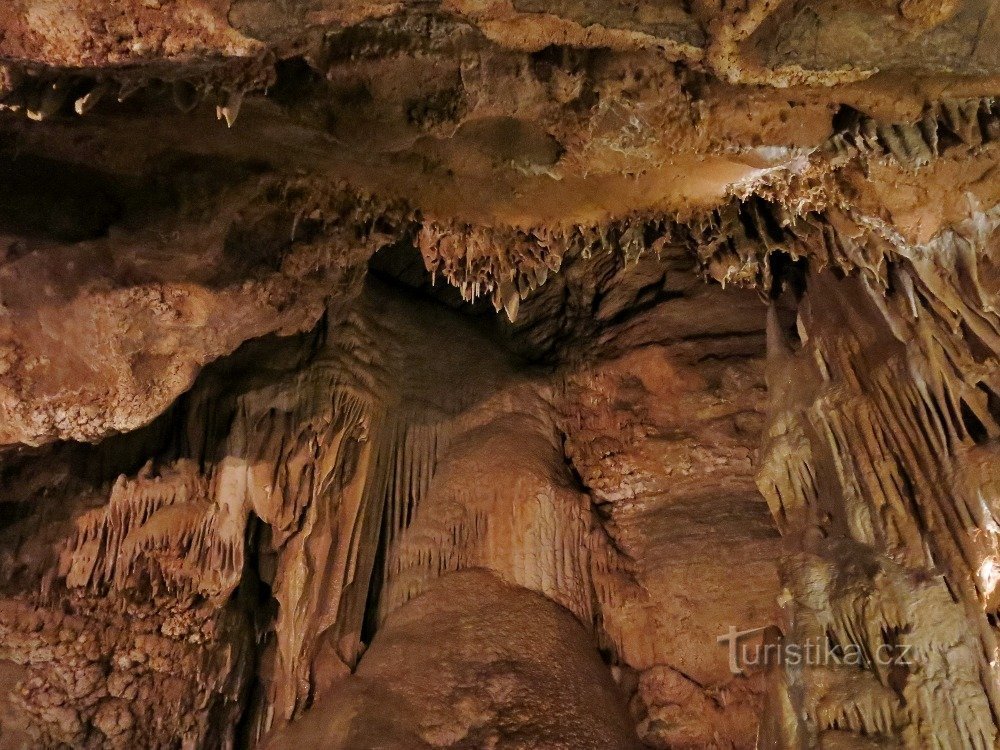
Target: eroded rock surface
455,374
510,668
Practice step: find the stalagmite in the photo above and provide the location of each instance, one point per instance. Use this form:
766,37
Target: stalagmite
516,374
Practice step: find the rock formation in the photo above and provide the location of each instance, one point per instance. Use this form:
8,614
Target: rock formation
512,374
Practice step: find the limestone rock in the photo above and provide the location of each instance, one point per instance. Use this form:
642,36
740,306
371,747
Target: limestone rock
510,374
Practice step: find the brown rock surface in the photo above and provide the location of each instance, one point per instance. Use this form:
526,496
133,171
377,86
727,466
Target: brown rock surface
456,374
486,665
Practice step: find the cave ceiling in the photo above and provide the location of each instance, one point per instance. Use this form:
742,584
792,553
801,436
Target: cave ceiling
455,373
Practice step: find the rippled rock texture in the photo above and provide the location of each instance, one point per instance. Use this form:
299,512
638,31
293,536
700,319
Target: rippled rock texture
457,374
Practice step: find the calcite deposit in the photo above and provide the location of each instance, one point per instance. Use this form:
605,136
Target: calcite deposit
510,374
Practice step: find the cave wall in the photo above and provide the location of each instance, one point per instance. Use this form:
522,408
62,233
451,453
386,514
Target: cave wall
454,374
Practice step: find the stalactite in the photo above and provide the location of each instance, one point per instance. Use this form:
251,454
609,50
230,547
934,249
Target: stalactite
886,424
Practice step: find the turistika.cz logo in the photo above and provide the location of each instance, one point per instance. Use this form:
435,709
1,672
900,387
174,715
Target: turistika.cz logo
744,653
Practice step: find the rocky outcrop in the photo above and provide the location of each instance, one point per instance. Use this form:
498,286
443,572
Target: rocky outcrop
507,665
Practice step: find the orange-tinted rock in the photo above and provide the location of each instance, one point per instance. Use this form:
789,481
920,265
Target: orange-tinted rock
380,373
